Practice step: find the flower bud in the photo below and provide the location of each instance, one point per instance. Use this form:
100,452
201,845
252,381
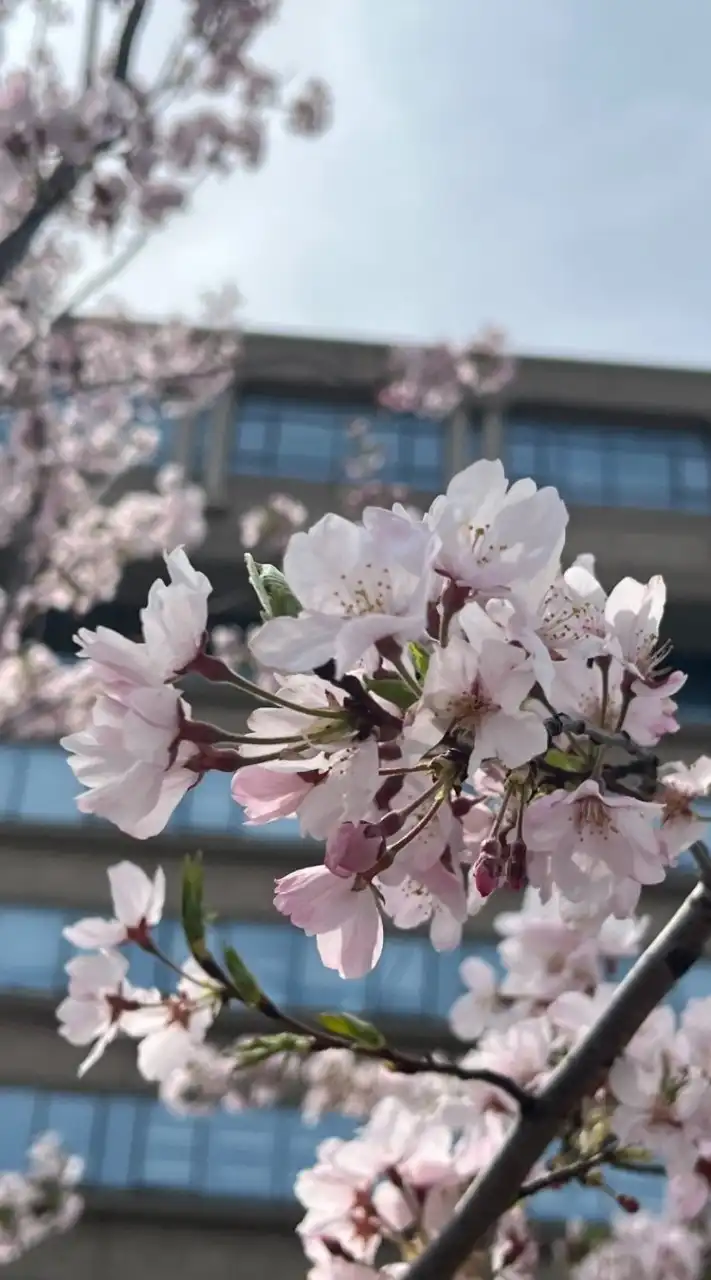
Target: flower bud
353,849
488,869
630,1204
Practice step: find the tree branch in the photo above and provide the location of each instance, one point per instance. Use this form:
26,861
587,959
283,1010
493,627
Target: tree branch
402,1062
567,1173
128,36
498,1187
54,191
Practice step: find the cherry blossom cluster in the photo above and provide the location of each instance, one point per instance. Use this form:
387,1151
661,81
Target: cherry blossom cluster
396,1183
451,715
427,1134
436,381
41,1202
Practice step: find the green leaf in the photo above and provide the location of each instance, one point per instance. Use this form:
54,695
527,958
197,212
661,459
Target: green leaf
243,980
276,599
564,760
256,1049
193,910
392,690
349,1027
420,659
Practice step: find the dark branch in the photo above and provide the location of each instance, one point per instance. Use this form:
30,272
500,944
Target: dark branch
567,1173
498,1187
128,36
405,1063
54,191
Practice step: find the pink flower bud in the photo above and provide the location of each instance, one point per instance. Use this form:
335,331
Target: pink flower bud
353,849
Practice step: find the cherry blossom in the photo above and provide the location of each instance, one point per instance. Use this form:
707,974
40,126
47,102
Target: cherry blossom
571,834
174,620
268,792
480,523
353,592
129,762
170,1029
138,906
454,716
341,911
478,686
97,1005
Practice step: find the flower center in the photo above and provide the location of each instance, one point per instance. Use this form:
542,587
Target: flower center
469,709
592,813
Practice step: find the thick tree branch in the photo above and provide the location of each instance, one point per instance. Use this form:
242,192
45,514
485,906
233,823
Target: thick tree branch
497,1188
55,190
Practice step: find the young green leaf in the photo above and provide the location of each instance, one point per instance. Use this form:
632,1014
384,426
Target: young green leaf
193,910
346,1025
243,980
565,760
275,597
420,659
392,690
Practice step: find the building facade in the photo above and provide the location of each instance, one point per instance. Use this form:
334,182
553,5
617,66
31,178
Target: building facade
630,451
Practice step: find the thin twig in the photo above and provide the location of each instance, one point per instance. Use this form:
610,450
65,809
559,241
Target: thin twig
562,723
567,1173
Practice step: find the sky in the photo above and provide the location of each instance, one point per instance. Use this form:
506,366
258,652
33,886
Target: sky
544,165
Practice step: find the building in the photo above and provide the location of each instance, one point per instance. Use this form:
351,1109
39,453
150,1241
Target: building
630,451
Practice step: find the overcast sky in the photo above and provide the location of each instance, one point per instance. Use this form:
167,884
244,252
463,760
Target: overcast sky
544,164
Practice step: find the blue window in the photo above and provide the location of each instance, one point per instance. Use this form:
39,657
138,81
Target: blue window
17,1108
281,829
303,439
30,946
241,1154
207,807
168,1143
322,988
50,789
116,1155
12,776
404,979
636,465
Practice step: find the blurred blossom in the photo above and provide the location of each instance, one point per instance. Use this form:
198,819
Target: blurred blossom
434,381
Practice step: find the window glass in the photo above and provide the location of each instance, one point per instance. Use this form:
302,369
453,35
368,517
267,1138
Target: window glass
324,988
403,980
50,789
71,1116
211,805
17,1108
637,466
241,1156
309,440
282,829
12,777
30,940
168,1149
115,1162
